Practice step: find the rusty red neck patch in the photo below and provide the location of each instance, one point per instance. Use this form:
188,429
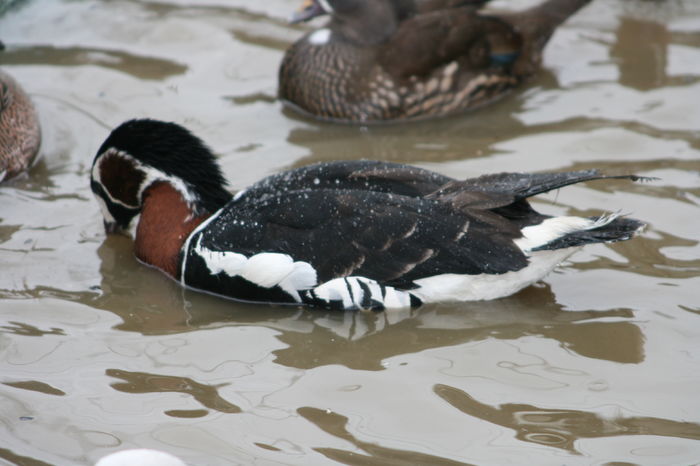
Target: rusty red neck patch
166,222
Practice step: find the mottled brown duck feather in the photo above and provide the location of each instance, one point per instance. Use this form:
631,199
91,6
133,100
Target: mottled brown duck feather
413,59
20,134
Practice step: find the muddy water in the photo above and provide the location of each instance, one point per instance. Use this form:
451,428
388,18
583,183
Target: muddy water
599,364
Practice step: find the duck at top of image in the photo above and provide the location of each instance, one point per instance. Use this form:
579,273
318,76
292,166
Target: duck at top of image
335,235
398,60
20,134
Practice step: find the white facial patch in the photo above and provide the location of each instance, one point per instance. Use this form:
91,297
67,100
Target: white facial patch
320,37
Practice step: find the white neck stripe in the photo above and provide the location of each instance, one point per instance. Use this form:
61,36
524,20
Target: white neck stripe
186,246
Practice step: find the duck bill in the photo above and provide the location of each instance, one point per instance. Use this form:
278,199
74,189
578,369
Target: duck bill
309,10
112,228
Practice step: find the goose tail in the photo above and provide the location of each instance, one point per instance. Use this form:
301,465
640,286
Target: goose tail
608,228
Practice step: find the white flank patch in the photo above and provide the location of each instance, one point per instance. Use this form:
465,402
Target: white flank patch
396,299
337,290
230,263
266,269
302,277
333,290
455,287
553,228
320,37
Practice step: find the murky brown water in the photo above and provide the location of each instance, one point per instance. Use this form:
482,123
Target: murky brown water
600,364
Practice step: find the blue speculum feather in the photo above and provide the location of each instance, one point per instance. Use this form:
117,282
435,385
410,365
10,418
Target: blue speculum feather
504,58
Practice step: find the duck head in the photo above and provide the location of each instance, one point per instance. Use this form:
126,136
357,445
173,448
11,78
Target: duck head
360,21
311,9
140,154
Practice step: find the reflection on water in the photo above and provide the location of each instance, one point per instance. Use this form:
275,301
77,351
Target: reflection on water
560,428
20,328
643,63
139,382
140,295
646,67
597,365
335,425
150,303
444,139
14,458
142,67
36,386
364,341
656,263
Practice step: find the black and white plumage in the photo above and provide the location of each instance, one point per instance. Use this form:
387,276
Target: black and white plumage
355,234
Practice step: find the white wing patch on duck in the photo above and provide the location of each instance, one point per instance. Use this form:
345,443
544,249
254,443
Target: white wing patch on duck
554,228
320,37
266,269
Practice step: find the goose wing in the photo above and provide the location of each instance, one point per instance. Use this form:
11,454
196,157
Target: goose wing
365,175
391,238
